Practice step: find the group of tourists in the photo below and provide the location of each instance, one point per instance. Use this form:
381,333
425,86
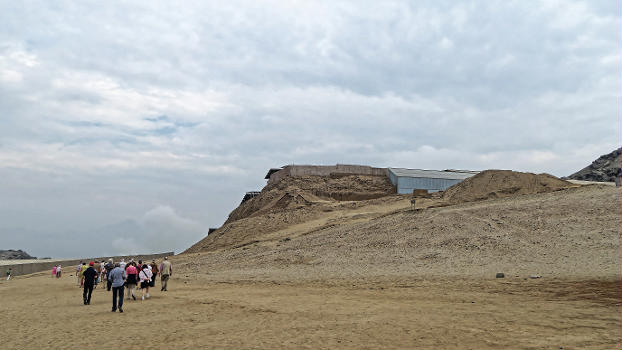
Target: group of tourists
56,271
120,276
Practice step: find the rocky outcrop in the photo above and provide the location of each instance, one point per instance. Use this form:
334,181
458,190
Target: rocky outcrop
606,168
14,255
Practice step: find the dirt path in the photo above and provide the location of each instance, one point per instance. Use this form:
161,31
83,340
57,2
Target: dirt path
45,313
335,218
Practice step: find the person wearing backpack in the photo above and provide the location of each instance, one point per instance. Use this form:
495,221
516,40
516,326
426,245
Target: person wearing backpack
145,280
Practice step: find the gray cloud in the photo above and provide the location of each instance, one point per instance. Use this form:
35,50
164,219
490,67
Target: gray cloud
160,229
111,110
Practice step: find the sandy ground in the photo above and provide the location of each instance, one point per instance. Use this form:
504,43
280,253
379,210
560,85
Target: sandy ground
45,313
365,275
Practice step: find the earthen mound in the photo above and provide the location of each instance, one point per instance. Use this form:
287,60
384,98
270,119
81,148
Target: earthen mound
502,183
292,201
311,189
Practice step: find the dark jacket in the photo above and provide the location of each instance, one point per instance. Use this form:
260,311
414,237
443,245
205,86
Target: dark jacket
89,276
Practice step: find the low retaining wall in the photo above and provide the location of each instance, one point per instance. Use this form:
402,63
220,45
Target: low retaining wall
69,266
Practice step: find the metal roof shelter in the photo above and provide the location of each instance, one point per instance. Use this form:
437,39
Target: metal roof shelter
407,180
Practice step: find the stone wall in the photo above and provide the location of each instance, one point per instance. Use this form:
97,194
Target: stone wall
69,266
325,170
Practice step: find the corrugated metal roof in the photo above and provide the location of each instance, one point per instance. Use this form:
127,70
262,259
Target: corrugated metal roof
431,174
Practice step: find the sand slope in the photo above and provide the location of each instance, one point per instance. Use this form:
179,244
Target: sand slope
575,232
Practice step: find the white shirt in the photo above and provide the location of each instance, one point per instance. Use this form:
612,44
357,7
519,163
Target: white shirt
145,275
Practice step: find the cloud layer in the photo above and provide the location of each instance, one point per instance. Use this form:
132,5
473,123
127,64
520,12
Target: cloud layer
111,110
161,229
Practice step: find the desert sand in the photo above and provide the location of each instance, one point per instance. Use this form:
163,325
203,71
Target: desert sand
313,272
408,312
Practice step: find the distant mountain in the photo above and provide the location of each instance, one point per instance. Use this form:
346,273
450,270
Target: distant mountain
14,255
605,168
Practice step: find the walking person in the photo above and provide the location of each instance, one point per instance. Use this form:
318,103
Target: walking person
89,276
117,279
78,268
54,271
154,272
108,267
99,266
145,280
82,269
58,271
8,274
166,271
132,279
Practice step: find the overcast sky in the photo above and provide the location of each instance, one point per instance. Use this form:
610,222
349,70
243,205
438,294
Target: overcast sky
135,126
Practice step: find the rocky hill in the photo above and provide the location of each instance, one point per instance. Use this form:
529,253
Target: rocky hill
14,254
606,168
295,200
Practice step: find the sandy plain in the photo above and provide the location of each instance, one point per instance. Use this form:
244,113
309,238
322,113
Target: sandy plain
448,313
